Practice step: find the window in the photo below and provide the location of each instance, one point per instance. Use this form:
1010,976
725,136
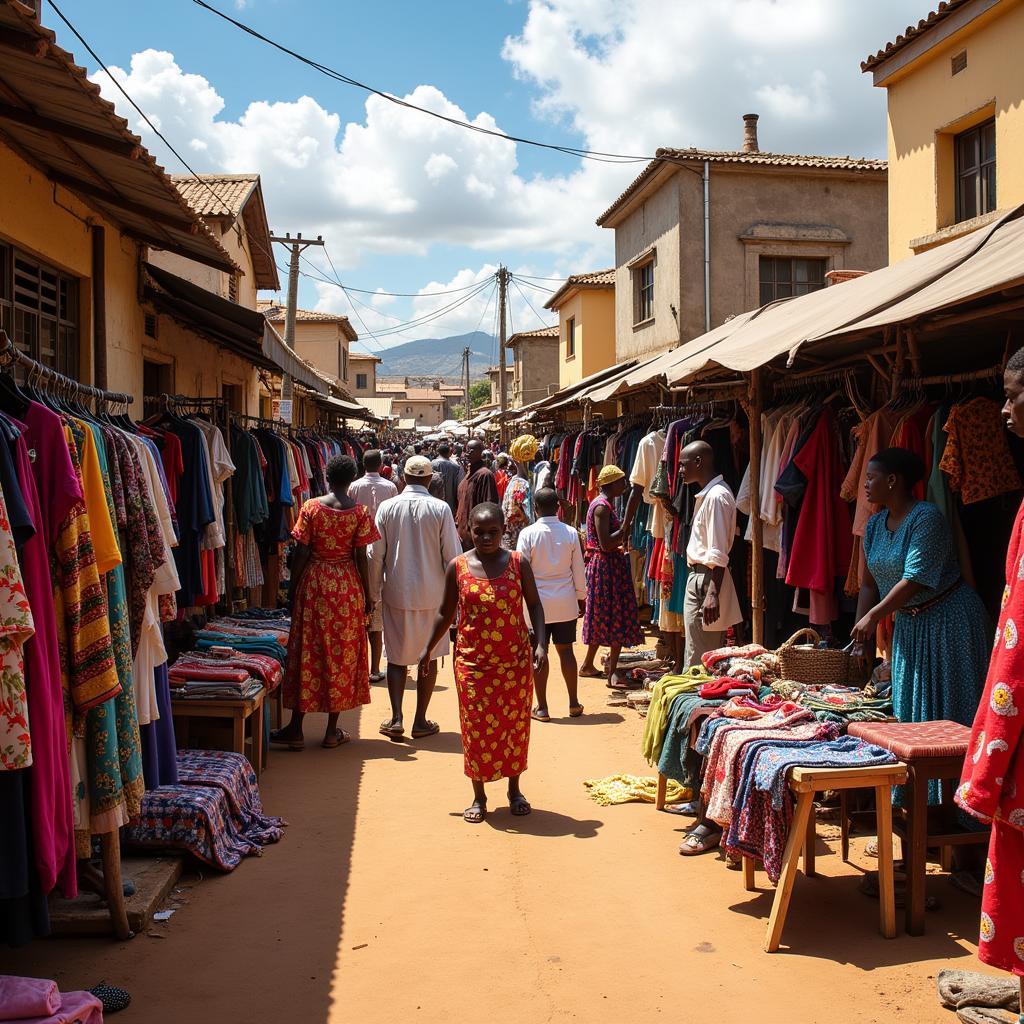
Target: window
361,381
958,62
976,171
39,310
344,363
157,378
643,293
570,337
783,276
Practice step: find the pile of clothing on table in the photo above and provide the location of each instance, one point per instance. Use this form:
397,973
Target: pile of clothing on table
224,672
214,812
257,631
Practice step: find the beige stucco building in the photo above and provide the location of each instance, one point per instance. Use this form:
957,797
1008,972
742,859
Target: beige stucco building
362,370
955,121
321,338
535,369
425,407
585,305
773,226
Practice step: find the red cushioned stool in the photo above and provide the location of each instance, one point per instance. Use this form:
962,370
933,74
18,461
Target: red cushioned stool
930,750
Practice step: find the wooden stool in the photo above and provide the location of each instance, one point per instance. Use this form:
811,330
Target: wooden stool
238,709
804,783
931,750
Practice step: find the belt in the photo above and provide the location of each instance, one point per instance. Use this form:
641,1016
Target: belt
916,610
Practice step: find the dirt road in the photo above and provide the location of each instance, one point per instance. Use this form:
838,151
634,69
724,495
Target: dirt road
381,904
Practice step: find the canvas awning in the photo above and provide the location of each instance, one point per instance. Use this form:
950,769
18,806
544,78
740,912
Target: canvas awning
351,409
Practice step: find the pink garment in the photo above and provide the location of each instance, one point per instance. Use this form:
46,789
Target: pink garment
53,828
75,1008
27,997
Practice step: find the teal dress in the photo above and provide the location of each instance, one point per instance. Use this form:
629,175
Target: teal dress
939,657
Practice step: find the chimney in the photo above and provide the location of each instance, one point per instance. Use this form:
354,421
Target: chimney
750,133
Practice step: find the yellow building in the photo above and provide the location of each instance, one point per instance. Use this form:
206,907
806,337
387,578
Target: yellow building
585,305
955,123
321,338
362,368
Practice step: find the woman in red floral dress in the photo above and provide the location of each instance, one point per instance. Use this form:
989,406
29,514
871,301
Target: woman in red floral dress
493,666
328,670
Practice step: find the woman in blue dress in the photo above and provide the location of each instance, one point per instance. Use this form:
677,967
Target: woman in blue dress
941,636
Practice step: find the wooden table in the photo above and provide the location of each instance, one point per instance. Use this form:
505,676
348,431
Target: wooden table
238,709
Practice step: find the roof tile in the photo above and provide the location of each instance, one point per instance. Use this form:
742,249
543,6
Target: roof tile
593,279
943,11
225,197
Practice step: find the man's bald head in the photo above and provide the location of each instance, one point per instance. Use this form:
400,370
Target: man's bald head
697,461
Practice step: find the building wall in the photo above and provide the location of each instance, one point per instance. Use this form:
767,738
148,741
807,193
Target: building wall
356,365
426,412
928,106
593,310
535,367
754,212
321,343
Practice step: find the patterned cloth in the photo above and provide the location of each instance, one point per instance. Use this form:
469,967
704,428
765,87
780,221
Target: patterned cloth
517,506
493,673
611,617
977,456
328,667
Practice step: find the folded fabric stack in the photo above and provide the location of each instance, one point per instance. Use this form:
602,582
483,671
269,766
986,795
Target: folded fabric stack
37,1001
750,664
261,667
214,812
271,642
845,704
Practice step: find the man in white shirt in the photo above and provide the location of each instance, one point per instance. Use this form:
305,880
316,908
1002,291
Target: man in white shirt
372,490
711,604
407,566
553,550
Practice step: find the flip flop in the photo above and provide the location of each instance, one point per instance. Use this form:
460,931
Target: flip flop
540,716
575,710
693,844
478,812
519,806
624,686
377,677
591,675
432,730
340,738
277,736
394,731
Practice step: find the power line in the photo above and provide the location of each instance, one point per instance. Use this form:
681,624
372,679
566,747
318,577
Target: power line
539,288
533,277
530,304
585,154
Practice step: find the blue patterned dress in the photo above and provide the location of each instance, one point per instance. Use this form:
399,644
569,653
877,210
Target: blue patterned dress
939,657
611,617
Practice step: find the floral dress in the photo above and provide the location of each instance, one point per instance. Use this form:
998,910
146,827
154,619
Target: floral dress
611,617
328,668
493,673
992,785
517,507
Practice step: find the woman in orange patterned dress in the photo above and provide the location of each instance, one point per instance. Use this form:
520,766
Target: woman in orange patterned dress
328,670
493,664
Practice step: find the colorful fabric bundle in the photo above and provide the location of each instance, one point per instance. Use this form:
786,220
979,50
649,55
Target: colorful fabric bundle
624,789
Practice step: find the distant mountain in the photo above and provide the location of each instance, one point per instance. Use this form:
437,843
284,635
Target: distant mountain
437,357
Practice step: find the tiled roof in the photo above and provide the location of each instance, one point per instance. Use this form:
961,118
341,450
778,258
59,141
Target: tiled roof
540,332
354,354
943,11
755,159
275,313
226,196
595,279
423,395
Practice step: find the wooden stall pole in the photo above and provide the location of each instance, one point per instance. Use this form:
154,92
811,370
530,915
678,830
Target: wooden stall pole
900,365
754,406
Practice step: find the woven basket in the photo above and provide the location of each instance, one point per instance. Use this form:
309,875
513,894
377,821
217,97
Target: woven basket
812,665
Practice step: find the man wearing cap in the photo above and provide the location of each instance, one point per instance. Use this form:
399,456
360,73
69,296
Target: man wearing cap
407,568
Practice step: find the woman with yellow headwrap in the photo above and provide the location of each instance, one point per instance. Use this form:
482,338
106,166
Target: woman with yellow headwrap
517,502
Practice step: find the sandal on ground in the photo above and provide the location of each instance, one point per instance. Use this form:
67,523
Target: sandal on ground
575,710
871,847
432,729
387,729
690,809
695,844
284,739
519,805
377,677
592,674
475,812
540,715
112,999
336,739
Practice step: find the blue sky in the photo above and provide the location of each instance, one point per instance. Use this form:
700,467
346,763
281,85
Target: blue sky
409,205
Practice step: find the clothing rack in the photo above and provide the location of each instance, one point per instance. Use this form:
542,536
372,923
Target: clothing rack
953,378
797,383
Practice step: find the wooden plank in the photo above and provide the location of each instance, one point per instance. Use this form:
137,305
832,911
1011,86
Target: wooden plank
790,863
886,883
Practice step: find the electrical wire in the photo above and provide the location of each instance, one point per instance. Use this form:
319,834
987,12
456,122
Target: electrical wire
537,287
530,304
585,154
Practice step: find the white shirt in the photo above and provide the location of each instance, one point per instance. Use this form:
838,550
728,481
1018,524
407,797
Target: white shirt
417,541
372,490
553,550
711,538
645,466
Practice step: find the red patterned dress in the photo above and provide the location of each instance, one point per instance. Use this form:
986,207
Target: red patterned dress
328,669
992,784
493,673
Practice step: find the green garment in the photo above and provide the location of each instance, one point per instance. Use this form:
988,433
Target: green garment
666,689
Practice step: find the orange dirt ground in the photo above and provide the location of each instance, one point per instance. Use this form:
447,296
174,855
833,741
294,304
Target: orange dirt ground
381,904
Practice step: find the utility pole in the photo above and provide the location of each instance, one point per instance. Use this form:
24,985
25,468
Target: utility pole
296,245
465,380
502,382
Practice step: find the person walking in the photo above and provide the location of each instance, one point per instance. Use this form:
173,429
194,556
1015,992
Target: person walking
407,572
493,666
372,490
552,550
327,668
611,618
517,499
450,472
478,486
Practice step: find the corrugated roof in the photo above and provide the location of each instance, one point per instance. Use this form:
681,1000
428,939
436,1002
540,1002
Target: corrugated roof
664,156
56,119
380,407
539,333
574,282
943,11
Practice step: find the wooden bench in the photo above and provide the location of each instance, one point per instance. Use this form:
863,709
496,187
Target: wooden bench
238,709
804,783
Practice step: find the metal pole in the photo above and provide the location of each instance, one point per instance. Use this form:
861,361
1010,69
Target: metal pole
502,382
